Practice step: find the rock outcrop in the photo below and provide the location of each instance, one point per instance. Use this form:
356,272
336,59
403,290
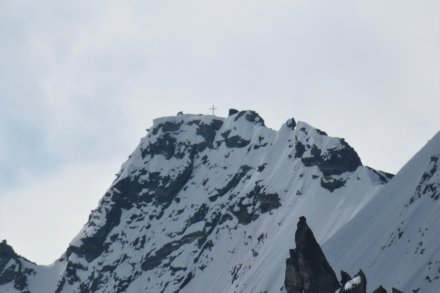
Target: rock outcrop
380,289
13,269
356,285
307,270
345,277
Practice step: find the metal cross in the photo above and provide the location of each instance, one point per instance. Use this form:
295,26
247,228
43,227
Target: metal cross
213,109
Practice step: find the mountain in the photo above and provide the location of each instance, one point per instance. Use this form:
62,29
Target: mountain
395,238
209,204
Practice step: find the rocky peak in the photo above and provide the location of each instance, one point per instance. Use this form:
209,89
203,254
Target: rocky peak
6,249
250,116
291,123
232,112
6,253
380,289
307,270
13,268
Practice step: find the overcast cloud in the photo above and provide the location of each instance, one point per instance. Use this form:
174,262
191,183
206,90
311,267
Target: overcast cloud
80,81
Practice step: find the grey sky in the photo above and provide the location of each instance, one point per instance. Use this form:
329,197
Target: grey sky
81,80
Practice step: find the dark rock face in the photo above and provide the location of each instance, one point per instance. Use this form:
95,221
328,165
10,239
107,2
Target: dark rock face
307,270
356,285
208,132
345,277
250,116
336,162
6,253
156,259
246,213
124,194
234,141
167,144
12,269
231,183
299,149
331,184
232,112
291,123
127,192
380,289
429,186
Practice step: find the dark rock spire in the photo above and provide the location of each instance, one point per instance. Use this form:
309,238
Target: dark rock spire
380,289
307,270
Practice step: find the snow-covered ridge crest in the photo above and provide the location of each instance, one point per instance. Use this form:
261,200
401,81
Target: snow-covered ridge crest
395,238
209,202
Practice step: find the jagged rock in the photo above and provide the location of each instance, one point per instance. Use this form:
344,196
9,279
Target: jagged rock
380,289
6,253
291,123
12,269
335,161
232,112
394,290
250,116
307,270
356,285
345,277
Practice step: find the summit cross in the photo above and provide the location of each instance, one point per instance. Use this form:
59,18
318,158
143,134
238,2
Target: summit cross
213,109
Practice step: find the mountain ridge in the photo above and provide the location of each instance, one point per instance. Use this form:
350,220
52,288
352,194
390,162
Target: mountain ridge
395,237
209,202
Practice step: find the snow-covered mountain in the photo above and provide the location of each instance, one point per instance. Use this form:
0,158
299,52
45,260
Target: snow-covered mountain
209,204
14,270
395,239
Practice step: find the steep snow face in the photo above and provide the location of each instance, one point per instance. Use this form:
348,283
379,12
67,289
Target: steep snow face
395,239
212,203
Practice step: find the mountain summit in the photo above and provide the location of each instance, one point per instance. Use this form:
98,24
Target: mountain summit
207,204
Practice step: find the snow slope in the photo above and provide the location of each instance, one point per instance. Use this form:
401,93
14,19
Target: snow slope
209,204
395,239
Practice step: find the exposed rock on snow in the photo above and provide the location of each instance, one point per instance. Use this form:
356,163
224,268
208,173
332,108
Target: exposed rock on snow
14,270
345,277
380,289
307,270
356,285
